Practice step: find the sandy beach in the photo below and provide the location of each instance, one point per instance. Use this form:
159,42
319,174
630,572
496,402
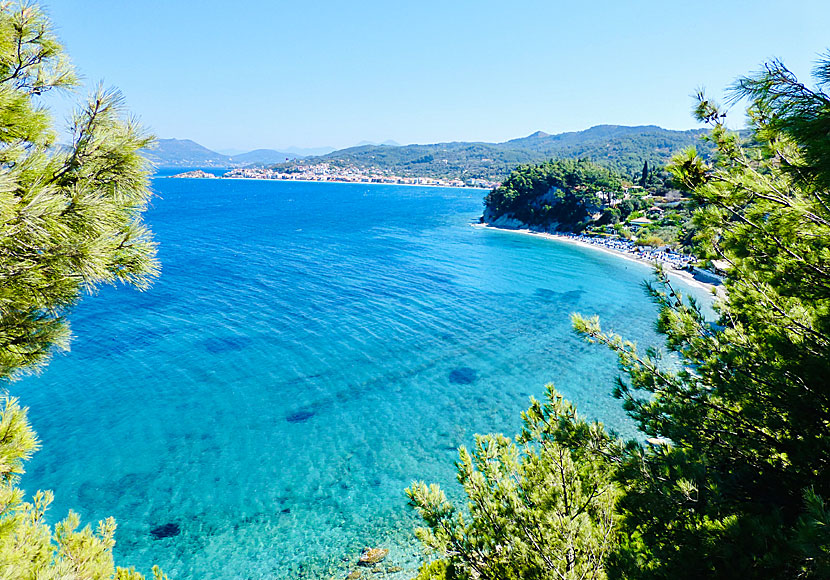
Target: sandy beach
683,275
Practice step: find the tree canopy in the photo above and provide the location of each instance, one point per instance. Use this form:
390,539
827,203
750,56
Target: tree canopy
70,220
560,190
71,216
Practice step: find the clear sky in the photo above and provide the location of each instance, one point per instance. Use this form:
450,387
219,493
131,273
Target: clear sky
271,73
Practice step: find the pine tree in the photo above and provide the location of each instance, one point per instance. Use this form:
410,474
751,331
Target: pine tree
70,220
538,508
738,485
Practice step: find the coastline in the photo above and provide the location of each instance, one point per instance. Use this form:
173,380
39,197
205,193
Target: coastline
682,275
335,181
251,178
357,182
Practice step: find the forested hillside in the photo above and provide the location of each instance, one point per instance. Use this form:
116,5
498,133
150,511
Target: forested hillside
560,193
623,149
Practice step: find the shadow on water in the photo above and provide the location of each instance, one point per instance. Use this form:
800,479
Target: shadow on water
463,376
300,416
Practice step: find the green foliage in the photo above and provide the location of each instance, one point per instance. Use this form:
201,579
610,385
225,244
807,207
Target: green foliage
560,191
621,230
629,206
70,219
737,485
28,547
610,215
649,239
623,149
540,507
436,570
781,105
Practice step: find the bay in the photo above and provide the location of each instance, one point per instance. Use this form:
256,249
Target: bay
309,350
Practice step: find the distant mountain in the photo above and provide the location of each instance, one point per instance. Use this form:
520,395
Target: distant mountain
186,153
388,142
306,151
264,157
453,160
622,148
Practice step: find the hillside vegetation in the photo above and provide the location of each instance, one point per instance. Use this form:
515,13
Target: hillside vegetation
623,149
560,194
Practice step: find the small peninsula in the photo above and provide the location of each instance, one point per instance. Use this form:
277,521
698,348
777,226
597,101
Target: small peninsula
195,174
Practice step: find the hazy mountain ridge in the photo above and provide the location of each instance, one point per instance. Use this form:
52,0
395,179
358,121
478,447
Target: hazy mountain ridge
619,147
186,153
622,148
263,156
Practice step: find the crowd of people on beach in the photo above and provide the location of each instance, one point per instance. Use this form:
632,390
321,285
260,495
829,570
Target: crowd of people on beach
669,258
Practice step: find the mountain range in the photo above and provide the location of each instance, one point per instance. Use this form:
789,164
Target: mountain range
622,148
619,147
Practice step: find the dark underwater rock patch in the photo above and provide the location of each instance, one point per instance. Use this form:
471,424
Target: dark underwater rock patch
569,298
165,531
463,376
572,296
546,295
300,416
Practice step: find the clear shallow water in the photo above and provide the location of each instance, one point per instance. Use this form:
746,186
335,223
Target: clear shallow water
309,350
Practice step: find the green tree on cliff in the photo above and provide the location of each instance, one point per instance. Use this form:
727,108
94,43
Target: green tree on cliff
70,220
561,190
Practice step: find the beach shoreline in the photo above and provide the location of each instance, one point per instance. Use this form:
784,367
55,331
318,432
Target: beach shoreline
683,275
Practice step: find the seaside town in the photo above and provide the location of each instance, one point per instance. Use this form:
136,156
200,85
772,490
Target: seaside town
348,174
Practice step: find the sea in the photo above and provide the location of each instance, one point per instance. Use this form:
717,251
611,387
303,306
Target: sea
310,350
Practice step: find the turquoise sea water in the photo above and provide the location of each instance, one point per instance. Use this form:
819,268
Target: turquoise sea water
308,351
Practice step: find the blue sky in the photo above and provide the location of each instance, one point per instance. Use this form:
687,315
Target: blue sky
251,74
